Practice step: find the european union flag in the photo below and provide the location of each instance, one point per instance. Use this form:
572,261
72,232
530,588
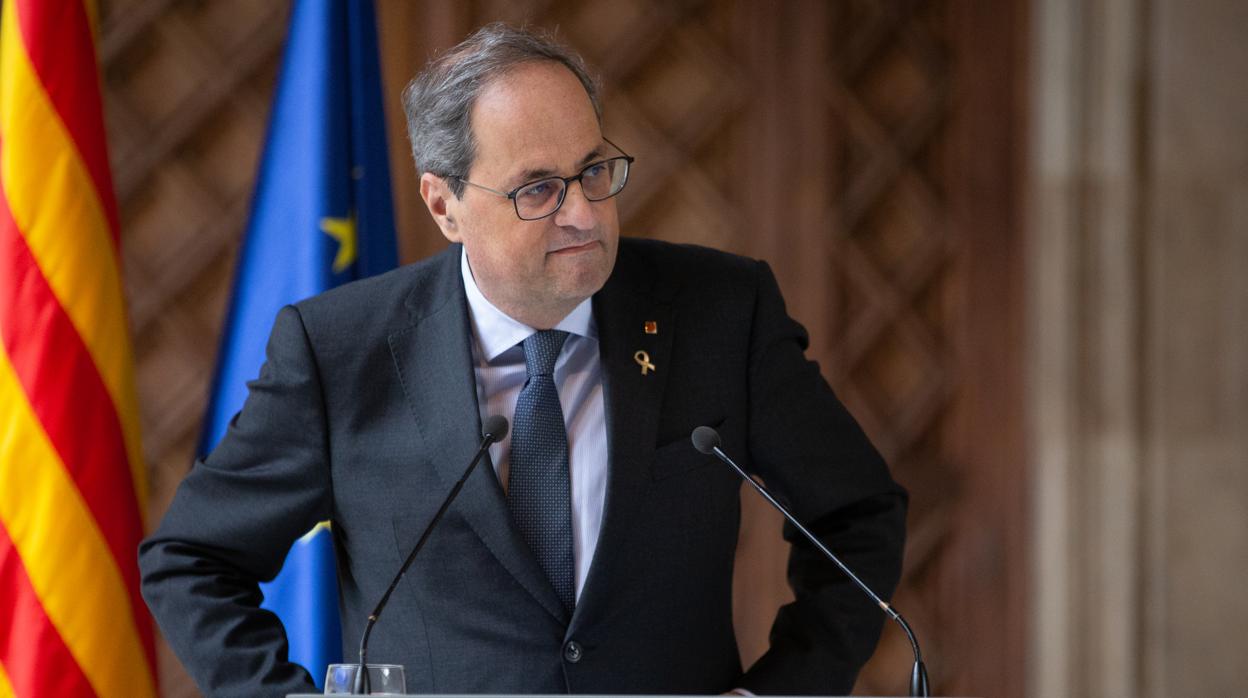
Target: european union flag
321,216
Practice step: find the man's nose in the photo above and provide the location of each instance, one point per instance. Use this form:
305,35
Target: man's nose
576,211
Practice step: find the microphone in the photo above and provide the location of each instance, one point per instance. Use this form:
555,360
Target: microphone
492,431
706,440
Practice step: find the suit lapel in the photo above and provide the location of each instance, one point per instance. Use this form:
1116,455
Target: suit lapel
622,310
433,358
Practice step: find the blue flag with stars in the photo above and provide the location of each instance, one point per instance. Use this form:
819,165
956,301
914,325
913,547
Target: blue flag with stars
321,216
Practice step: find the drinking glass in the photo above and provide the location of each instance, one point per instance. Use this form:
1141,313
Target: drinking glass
383,679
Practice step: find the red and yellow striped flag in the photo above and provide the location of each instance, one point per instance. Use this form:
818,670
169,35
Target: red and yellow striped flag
72,487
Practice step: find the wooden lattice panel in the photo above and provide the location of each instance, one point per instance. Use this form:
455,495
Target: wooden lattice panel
187,88
893,260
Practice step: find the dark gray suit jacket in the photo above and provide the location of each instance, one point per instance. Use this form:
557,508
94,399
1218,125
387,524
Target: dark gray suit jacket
365,413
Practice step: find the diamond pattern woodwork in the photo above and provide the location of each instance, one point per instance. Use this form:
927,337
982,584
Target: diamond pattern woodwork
893,262
187,88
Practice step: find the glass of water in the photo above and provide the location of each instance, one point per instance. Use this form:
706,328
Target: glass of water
383,679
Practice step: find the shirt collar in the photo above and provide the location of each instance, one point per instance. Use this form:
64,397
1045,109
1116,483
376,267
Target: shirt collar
497,331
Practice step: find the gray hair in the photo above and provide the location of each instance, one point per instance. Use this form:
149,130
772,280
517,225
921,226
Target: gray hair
439,100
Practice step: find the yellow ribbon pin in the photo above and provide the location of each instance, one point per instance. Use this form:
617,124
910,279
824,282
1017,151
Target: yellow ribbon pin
643,360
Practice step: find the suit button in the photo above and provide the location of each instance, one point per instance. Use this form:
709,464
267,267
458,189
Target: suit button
573,652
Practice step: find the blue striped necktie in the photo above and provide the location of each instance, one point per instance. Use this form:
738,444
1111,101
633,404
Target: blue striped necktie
539,490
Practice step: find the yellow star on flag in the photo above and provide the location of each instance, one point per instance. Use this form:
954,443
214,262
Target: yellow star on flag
322,526
342,230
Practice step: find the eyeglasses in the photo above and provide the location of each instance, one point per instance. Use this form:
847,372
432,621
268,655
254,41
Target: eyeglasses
543,197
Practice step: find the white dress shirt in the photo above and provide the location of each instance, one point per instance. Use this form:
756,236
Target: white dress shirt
498,363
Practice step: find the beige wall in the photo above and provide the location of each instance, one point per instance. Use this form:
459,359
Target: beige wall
1198,339
1139,351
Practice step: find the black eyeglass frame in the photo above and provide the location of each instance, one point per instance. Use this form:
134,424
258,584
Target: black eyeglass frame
567,184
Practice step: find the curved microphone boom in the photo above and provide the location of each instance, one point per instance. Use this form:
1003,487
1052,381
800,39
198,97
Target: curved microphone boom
492,431
706,440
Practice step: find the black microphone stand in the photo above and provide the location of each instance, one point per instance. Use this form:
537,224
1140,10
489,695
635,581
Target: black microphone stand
494,430
706,440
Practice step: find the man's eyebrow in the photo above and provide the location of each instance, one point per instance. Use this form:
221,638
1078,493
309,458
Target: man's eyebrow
591,156
533,174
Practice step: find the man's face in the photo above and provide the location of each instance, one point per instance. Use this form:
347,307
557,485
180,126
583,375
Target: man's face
535,122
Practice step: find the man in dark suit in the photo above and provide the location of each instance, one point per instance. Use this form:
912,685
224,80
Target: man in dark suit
607,572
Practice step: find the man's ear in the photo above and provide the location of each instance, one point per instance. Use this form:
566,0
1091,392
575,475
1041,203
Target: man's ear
440,199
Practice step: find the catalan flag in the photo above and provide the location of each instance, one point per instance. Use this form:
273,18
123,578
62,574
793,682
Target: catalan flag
71,469
321,216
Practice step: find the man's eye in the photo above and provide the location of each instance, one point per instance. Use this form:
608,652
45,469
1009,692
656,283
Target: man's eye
596,170
539,190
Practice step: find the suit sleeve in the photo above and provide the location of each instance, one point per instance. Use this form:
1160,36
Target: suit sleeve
232,522
807,447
